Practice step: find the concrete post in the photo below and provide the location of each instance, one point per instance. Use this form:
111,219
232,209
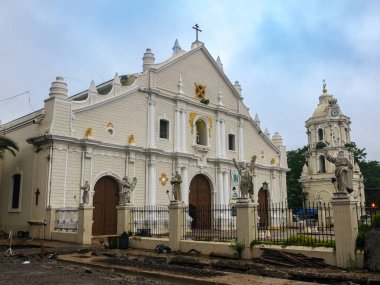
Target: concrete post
85,221
346,229
50,222
176,224
246,224
124,218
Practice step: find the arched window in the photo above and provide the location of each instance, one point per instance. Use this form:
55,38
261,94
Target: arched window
322,164
320,134
201,132
15,192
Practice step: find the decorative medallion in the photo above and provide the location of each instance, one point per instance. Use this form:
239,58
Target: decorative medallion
273,161
200,91
88,133
131,139
163,179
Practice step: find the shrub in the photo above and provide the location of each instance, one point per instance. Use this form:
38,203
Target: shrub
320,145
238,246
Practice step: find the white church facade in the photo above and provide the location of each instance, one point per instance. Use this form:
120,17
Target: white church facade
181,115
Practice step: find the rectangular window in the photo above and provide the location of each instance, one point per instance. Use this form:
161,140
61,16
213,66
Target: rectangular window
16,191
164,129
231,142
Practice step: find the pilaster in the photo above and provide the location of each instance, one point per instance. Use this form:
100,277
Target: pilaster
124,218
185,185
246,222
226,197
176,224
183,131
151,182
50,222
346,228
85,215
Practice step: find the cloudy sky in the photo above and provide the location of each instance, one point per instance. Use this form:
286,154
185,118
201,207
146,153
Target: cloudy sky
280,51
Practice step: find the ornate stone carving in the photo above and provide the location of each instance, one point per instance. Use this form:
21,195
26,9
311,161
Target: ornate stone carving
200,91
127,188
246,172
131,139
176,183
163,179
192,117
88,133
343,172
85,193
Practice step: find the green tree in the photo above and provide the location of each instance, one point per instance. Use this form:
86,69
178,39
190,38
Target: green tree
371,174
359,154
370,170
296,160
6,144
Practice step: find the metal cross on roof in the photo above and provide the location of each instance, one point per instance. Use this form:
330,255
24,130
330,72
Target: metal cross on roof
196,28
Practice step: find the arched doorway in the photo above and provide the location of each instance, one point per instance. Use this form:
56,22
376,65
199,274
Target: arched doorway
106,198
263,209
200,202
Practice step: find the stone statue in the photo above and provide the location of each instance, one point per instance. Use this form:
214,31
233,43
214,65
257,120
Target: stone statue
343,171
246,172
127,188
86,193
176,183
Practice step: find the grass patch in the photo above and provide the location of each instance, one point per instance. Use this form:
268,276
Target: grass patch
298,240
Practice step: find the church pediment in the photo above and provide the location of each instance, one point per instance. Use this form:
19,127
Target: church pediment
196,75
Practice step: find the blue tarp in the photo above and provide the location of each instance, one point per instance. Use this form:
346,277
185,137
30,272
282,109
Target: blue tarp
307,212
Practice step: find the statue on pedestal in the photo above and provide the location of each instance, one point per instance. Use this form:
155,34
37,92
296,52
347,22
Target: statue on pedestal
246,172
86,193
127,188
176,183
343,172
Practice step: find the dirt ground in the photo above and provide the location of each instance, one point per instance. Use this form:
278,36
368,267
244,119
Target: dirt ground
71,264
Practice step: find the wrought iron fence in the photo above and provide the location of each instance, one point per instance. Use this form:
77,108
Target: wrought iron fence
311,225
66,219
150,221
210,223
368,216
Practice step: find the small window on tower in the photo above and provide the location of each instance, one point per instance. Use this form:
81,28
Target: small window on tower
231,142
320,134
164,129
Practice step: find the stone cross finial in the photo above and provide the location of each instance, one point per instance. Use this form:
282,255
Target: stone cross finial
196,28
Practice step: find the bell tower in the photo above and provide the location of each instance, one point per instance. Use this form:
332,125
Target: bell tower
328,130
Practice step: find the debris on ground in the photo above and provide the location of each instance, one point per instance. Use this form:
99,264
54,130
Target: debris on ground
289,259
193,252
161,248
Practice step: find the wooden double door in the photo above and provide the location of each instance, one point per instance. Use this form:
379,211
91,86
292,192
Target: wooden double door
200,202
106,198
263,209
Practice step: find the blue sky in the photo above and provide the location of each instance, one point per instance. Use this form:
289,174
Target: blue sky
280,51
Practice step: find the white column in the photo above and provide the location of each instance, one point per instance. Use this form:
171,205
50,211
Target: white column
177,134
241,141
151,183
183,131
220,187
185,186
223,139
151,123
225,188
218,138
